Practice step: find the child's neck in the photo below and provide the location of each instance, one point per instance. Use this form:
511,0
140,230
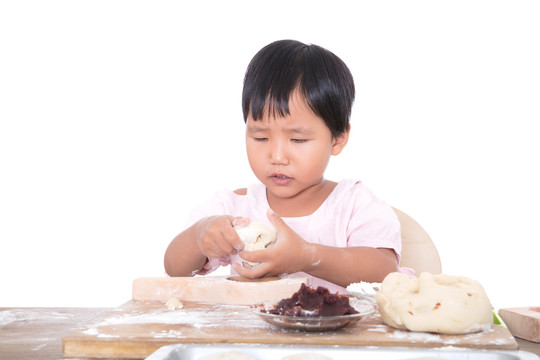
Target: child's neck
302,204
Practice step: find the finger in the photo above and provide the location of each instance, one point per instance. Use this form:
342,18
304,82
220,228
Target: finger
231,234
217,250
276,220
240,221
252,273
233,239
225,248
224,242
256,256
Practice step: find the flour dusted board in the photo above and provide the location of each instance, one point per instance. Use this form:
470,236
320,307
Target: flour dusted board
215,289
138,328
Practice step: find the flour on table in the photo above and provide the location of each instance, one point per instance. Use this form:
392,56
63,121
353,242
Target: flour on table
307,356
228,355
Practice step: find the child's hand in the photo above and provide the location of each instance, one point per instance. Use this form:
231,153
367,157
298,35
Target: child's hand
288,255
217,237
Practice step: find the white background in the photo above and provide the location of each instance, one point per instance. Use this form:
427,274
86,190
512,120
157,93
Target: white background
118,117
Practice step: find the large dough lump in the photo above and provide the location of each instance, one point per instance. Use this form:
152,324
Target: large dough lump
434,303
256,236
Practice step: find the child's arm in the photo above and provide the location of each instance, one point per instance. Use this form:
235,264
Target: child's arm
341,266
210,237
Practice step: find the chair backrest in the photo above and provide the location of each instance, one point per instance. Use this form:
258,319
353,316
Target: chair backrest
418,251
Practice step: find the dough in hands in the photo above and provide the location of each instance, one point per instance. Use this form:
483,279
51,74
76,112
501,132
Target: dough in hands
434,303
256,236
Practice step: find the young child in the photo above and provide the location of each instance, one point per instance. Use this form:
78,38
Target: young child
296,101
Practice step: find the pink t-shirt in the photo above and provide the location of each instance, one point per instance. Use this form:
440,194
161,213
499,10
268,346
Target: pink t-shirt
350,216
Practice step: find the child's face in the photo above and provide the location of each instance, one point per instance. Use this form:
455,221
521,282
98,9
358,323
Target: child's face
290,154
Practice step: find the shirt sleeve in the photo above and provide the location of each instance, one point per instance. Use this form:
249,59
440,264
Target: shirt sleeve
373,223
216,205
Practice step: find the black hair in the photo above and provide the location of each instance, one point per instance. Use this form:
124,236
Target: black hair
286,65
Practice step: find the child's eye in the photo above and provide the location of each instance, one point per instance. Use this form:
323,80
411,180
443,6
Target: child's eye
260,139
299,140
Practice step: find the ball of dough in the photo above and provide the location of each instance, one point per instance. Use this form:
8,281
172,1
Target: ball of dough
434,303
173,304
256,236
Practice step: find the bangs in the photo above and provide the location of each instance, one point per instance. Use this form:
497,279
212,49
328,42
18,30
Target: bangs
269,82
283,67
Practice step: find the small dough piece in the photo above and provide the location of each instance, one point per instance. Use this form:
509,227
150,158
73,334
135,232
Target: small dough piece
307,356
434,303
256,236
228,355
173,304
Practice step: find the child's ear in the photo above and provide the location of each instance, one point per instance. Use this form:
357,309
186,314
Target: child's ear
340,141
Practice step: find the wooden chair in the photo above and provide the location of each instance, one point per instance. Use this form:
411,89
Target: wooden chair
418,251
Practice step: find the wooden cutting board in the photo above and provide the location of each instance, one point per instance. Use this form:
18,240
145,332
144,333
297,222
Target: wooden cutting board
523,322
233,290
138,328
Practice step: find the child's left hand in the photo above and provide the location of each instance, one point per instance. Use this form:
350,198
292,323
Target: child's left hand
288,255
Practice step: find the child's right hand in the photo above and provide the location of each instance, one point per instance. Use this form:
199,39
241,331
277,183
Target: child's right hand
216,236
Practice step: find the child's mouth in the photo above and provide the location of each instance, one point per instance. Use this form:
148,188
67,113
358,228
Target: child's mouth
280,179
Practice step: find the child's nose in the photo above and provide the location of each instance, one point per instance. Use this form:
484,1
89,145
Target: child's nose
279,153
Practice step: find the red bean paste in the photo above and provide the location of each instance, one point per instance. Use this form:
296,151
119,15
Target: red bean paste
308,302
